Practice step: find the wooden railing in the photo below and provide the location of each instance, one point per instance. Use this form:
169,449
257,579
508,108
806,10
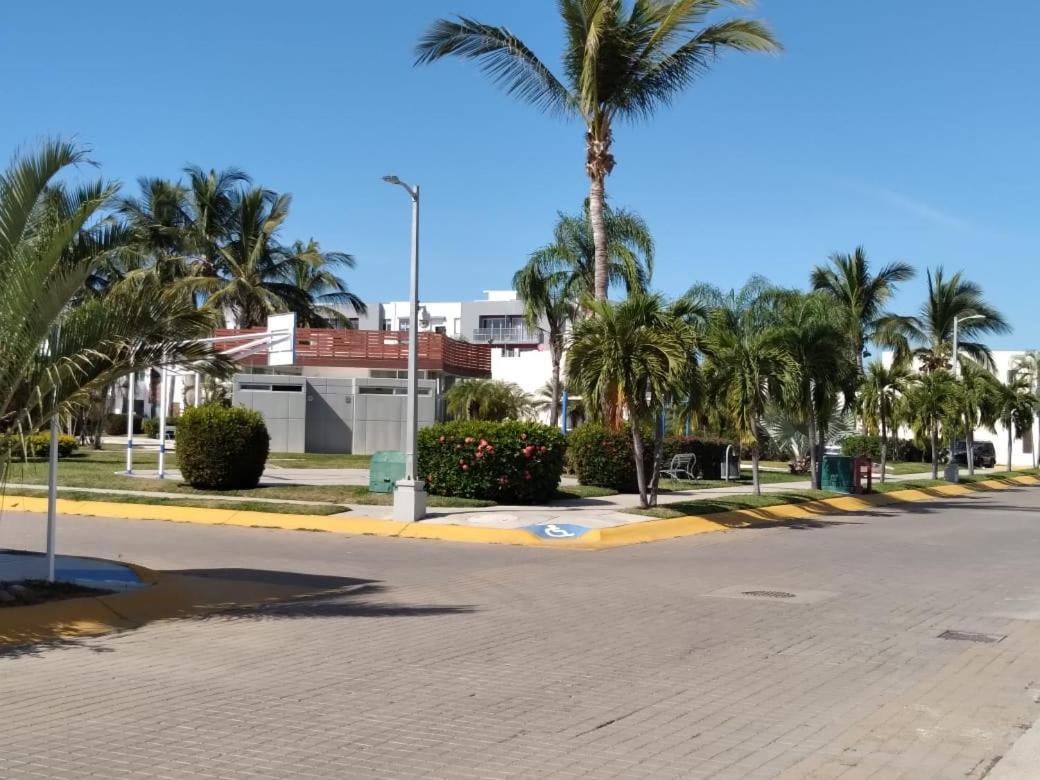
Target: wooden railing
378,349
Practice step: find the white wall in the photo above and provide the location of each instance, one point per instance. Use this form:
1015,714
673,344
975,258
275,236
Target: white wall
528,368
447,314
1023,449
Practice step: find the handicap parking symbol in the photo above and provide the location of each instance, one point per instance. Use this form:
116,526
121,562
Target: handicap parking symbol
557,530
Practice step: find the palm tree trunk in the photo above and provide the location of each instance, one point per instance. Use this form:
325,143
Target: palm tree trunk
969,450
754,469
814,474
554,418
638,452
884,447
1011,441
599,236
935,451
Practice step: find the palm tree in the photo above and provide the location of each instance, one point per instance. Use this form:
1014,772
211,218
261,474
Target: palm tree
860,295
978,399
879,394
749,366
817,340
214,201
487,399
545,300
544,398
620,61
928,404
630,253
1028,364
313,273
1016,409
61,349
927,336
635,355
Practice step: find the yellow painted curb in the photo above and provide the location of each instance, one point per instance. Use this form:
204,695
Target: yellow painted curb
593,539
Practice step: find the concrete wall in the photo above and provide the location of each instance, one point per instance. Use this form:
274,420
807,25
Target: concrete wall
379,416
531,369
282,400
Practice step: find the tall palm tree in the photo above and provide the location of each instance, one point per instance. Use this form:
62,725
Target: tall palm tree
978,400
635,354
630,253
1028,365
213,205
860,295
59,348
621,61
879,393
748,365
313,272
487,399
928,336
1016,409
928,403
817,339
545,299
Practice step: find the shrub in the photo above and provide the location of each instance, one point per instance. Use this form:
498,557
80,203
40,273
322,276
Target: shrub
605,458
869,446
115,424
220,448
36,446
150,426
510,461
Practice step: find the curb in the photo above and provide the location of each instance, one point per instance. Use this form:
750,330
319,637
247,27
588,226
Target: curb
650,530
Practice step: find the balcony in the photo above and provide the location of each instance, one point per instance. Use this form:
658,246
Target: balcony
497,336
378,349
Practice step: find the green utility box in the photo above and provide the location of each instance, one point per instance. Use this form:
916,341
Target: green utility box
384,470
837,474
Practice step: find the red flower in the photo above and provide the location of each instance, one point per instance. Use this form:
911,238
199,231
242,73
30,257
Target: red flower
527,475
528,451
465,467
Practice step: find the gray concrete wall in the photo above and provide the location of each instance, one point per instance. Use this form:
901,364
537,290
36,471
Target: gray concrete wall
379,416
283,406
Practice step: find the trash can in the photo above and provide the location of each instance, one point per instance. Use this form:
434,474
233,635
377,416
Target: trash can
384,470
836,474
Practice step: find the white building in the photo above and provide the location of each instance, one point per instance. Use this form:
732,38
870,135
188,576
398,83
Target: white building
1023,449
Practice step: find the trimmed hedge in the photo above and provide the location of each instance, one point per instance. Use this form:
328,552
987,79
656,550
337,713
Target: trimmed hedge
115,424
150,426
869,446
36,446
510,462
605,458
221,448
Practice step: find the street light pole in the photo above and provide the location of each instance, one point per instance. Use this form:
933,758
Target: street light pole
410,493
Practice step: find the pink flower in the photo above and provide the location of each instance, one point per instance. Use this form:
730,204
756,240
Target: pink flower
465,467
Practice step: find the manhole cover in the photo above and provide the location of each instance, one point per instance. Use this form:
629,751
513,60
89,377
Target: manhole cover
768,594
971,636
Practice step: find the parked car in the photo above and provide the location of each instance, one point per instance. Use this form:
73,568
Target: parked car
983,454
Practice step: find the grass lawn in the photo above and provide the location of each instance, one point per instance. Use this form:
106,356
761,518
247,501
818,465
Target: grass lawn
567,492
766,477
708,506
98,469
920,484
317,460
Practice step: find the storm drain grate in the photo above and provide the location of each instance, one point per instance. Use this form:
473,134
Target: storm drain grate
971,636
768,594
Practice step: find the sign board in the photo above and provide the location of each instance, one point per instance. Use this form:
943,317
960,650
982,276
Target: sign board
281,350
557,530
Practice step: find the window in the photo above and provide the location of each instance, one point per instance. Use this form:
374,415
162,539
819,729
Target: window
456,328
353,322
440,329
509,352
404,323
384,325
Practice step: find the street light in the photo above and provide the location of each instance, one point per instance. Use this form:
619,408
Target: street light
410,495
956,347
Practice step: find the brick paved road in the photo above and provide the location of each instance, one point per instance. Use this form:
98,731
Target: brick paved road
467,661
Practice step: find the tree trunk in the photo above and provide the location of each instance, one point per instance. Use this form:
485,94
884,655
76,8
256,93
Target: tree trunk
821,435
1011,440
554,418
754,469
814,474
884,447
969,448
599,237
935,451
637,449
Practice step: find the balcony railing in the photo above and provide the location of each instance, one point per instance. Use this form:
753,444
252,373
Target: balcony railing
380,349
520,335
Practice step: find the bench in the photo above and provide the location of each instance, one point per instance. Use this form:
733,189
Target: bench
681,464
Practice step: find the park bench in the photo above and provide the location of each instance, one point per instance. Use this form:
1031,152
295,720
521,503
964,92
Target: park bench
681,464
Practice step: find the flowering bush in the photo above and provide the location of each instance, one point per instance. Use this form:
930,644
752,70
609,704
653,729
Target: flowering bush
36,446
510,461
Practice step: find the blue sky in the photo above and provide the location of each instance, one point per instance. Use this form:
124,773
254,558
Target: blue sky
909,127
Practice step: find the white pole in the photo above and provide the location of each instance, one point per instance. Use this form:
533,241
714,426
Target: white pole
411,421
130,423
52,497
163,400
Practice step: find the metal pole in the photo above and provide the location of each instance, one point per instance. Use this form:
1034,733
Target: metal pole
413,346
52,497
163,401
130,423
563,410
